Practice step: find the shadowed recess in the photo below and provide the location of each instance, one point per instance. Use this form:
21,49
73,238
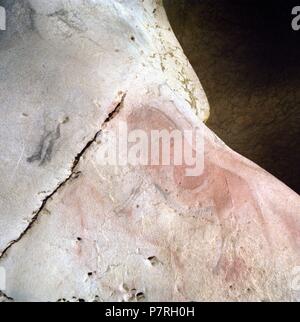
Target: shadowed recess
246,55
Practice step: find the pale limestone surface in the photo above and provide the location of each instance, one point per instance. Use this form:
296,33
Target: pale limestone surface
124,233
63,63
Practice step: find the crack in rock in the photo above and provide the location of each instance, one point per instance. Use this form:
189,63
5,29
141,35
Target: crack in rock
5,298
73,173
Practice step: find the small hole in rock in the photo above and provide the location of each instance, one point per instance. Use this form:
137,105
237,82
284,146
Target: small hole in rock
153,260
140,296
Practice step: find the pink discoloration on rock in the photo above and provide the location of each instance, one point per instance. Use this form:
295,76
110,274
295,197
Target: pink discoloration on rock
213,235
234,270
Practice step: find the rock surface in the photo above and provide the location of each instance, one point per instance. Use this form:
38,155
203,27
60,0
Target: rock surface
62,66
71,228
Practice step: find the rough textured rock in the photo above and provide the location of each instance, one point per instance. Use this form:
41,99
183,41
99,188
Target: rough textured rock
72,228
62,66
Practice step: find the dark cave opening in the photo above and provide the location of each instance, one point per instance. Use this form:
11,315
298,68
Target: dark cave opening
246,55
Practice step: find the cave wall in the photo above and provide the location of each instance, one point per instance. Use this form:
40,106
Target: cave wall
246,56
